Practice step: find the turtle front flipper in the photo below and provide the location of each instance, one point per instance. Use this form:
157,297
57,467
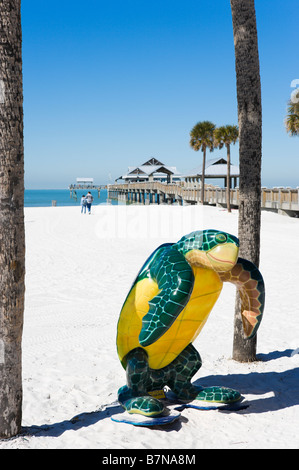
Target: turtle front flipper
175,280
249,281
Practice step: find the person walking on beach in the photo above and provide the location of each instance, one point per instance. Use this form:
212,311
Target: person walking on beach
89,199
83,204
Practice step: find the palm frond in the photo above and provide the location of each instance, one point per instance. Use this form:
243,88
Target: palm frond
226,135
202,135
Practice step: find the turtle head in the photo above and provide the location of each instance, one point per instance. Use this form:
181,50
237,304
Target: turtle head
211,249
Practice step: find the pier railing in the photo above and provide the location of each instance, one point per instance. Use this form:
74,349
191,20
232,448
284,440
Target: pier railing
277,199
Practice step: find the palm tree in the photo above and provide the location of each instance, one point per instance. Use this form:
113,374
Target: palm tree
12,246
201,138
226,135
292,118
250,151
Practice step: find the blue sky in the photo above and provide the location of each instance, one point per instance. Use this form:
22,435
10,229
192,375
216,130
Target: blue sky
109,84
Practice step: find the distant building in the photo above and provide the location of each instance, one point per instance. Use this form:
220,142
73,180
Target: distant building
84,181
151,170
215,168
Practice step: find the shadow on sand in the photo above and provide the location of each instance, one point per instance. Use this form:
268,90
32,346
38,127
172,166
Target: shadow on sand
283,385
88,419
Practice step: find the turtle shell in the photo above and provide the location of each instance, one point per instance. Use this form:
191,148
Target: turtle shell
206,290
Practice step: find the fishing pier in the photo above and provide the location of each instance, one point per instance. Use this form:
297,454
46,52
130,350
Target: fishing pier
281,200
85,184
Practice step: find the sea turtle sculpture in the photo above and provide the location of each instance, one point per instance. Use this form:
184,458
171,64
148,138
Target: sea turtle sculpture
166,308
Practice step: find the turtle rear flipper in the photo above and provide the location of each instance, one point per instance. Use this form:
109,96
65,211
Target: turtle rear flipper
144,405
218,395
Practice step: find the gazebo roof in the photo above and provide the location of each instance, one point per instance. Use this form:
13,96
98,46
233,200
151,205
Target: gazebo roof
215,168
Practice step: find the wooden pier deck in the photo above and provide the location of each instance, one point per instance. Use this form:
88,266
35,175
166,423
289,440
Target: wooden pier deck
282,200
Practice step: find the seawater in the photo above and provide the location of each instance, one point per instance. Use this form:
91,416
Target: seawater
44,197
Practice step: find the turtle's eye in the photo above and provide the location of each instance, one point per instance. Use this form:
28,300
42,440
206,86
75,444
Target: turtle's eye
220,238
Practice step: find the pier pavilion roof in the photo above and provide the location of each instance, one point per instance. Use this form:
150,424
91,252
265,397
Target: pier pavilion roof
151,169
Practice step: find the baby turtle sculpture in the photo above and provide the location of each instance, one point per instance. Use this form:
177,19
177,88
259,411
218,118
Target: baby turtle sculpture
166,308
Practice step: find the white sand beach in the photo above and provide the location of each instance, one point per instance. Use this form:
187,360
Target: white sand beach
79,269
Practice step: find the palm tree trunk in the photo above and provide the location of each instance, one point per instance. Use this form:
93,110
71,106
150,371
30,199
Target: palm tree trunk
250,150
228,179
202,192
12,238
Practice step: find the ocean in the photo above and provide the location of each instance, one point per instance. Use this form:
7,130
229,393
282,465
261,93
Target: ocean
44,197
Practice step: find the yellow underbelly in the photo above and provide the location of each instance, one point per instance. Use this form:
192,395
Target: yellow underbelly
206,290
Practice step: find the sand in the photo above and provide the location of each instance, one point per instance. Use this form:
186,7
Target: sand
79,269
